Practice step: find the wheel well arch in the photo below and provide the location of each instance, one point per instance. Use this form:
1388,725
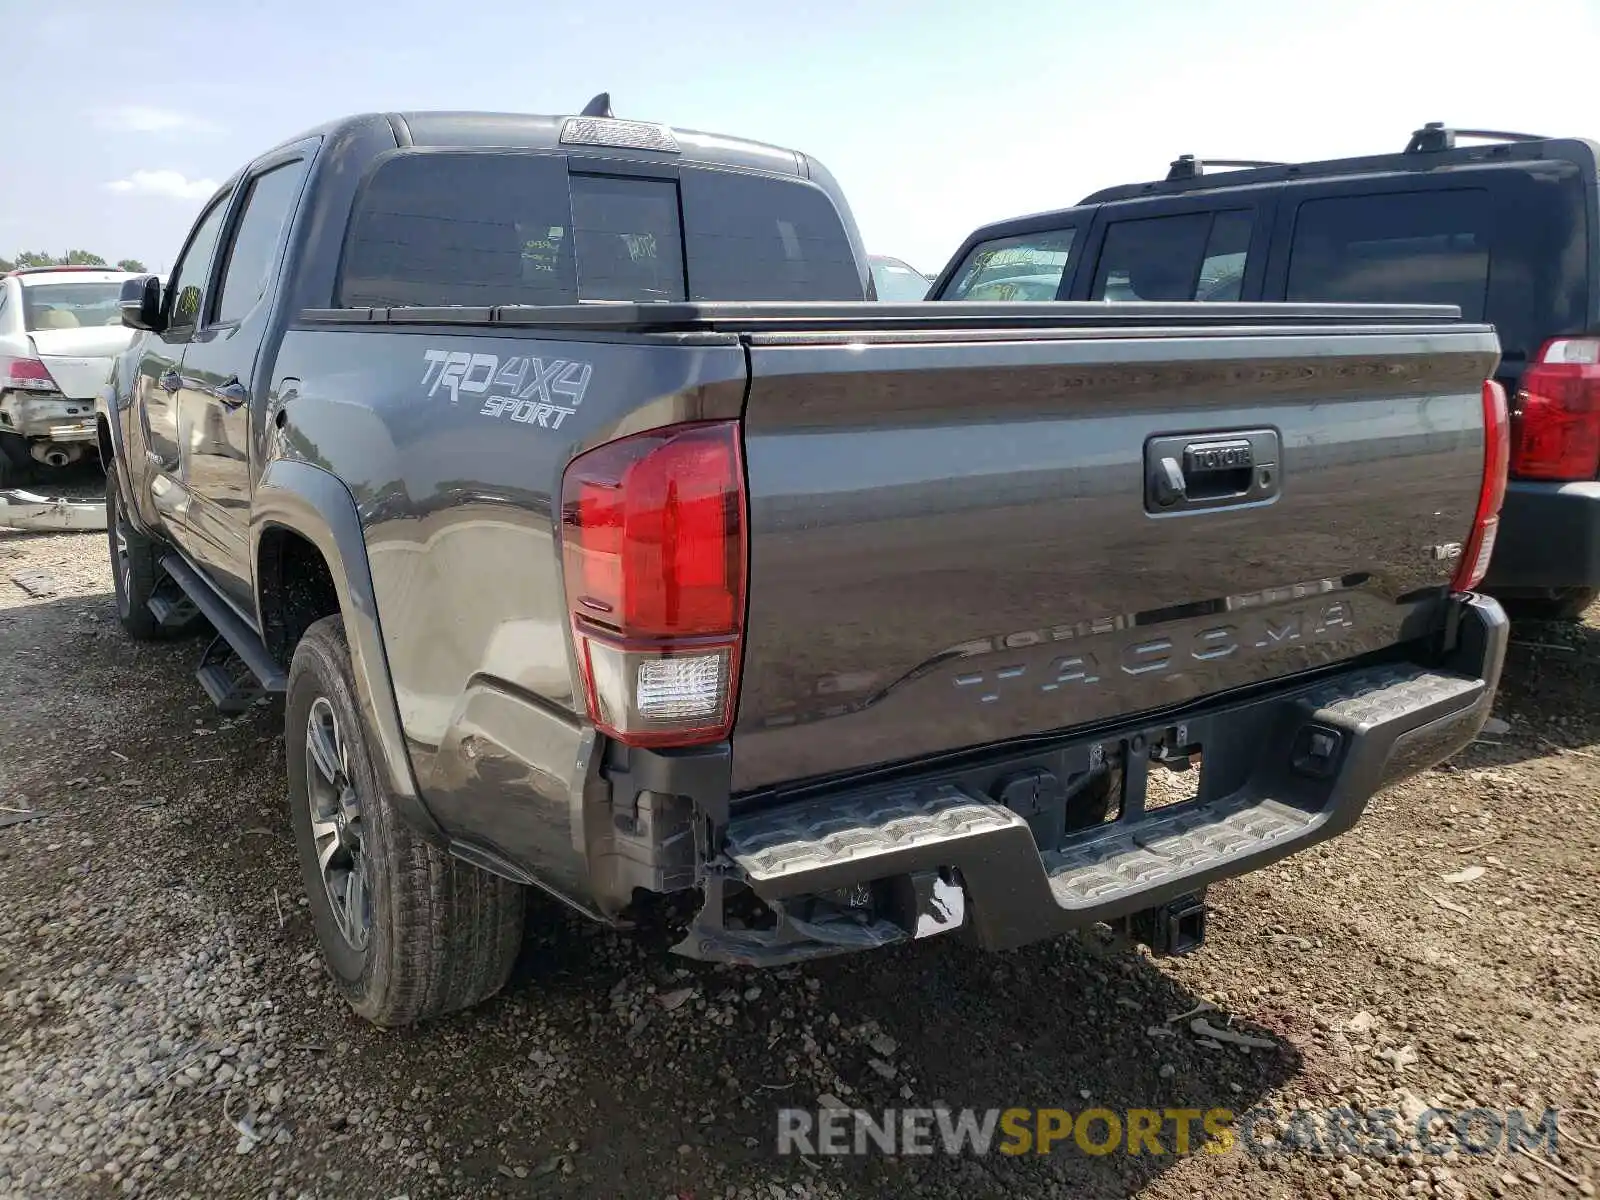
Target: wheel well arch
310,509
102,433
294,589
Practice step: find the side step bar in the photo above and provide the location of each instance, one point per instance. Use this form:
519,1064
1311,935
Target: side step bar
230,689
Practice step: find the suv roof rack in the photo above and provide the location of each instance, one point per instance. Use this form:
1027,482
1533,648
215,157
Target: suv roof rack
1189,174
1187,166
1435,136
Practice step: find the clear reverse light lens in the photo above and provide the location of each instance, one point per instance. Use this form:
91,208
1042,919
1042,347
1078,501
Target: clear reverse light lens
678,688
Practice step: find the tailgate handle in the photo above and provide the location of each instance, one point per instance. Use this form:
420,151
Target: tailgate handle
1169,483
1200,471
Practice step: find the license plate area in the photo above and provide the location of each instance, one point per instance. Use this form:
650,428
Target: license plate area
1120,779
1158,769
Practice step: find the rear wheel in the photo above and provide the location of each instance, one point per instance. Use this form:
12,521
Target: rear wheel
1559,604
135,571
15,463
407,931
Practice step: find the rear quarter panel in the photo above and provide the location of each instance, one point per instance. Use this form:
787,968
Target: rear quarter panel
457,483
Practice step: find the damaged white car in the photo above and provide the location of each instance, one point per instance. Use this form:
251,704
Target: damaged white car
60,329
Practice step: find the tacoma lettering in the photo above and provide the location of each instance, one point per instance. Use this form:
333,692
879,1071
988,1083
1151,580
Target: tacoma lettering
1165,655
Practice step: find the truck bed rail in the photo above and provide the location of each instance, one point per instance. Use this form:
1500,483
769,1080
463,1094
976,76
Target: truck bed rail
924,316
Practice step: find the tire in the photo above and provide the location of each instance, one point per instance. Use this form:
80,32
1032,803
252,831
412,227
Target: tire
1563,604
427,934
135,571
15,463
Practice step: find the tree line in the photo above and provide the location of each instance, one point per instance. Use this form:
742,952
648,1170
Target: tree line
72,258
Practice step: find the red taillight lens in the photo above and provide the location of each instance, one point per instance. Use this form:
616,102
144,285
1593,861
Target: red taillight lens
25,374
1555,433
654,549
1491,491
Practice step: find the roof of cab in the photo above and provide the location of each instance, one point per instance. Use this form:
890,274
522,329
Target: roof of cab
544,132
465,130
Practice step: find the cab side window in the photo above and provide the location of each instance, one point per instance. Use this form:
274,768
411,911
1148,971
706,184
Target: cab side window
1026,267
188,281
256,242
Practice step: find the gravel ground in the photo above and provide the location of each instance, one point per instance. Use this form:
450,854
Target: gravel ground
166,1028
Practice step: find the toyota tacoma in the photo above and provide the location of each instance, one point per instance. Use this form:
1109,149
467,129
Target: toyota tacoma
595,533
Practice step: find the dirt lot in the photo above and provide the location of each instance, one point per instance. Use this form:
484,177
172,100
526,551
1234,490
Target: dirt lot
166,1030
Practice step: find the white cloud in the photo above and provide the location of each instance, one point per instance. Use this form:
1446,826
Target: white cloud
139,118
171,184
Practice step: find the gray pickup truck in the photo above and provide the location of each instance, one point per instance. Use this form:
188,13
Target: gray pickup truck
600,537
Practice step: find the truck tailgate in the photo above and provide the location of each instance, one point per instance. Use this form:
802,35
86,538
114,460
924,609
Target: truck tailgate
964,537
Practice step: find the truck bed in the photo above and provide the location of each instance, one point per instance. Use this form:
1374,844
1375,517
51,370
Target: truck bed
952,538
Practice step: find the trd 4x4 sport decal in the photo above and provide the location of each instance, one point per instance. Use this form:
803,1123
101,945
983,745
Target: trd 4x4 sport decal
526,389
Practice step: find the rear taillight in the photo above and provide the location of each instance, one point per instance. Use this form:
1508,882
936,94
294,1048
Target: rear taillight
1555,433
654,550
25,375
1491,491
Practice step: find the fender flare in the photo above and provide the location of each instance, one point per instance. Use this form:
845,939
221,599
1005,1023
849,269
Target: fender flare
105,408
106,411
315,504
112,408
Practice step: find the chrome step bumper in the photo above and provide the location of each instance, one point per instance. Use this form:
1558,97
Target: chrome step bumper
1291,769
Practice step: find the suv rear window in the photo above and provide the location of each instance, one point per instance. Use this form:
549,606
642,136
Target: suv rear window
484,229
1423,247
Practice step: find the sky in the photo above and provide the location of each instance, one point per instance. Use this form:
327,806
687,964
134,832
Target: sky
935,116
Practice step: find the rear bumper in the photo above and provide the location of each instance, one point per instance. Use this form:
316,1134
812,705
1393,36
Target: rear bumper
50,417
1549,537
1281,773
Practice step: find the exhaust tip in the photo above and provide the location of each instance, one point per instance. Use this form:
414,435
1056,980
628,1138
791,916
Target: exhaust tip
54,454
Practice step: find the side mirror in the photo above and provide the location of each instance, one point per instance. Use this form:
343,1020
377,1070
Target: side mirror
140,303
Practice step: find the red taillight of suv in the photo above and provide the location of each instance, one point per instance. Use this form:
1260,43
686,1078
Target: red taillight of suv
1491,491
655,551
25,375
1555,433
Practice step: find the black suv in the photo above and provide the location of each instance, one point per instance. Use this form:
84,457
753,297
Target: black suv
1506,226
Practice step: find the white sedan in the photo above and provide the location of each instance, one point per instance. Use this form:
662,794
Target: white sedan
60,329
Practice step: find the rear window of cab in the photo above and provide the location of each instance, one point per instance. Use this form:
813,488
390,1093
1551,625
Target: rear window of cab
471,228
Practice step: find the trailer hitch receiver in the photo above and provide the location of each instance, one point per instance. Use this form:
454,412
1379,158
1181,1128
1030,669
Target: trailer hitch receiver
1176,927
